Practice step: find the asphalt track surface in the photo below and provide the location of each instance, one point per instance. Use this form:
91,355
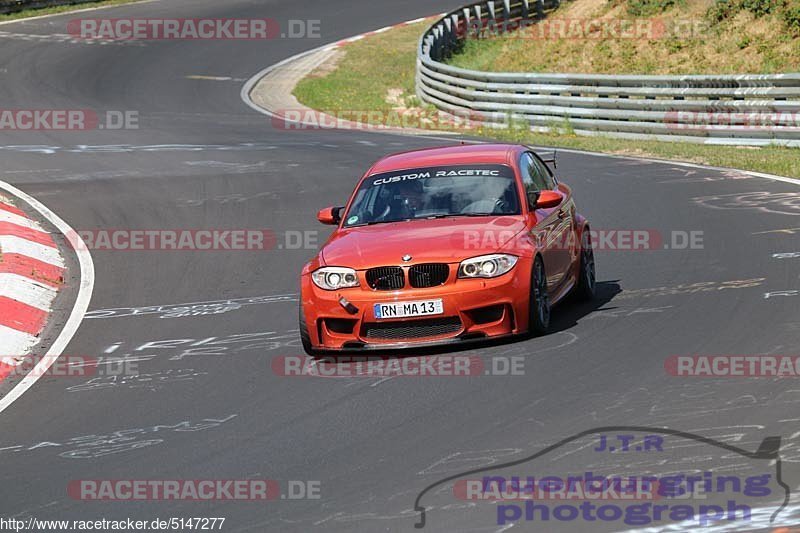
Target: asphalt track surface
372,444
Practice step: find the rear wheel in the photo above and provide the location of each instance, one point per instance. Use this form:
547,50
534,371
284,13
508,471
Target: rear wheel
305,339
587,287
539,315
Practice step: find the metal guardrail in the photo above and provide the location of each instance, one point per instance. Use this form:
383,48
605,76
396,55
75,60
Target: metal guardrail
14,6
757,109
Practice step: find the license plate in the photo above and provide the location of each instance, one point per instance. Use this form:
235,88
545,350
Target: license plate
407,309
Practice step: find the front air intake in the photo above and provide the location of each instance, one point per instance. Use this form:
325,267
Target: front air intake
386,278
428,275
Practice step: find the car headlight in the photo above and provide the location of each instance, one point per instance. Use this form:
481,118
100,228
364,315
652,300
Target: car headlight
487,266
333,278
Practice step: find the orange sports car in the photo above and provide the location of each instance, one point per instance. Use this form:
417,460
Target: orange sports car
446,245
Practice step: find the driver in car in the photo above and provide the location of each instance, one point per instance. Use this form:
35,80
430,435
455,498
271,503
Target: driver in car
402,200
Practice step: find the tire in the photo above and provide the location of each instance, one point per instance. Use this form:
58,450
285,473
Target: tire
305,339
586,288
539,302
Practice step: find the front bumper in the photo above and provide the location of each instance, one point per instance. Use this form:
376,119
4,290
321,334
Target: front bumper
474,309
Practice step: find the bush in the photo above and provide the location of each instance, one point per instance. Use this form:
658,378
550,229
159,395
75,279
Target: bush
645,8
724,9
763,7
792,19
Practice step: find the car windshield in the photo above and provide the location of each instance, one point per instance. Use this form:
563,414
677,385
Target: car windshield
433,192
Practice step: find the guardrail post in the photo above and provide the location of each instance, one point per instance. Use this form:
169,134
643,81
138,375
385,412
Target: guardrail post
437,42
456,22
506,10
451,39
526,10
467,22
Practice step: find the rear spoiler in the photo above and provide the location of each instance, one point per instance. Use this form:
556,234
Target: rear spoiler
547,156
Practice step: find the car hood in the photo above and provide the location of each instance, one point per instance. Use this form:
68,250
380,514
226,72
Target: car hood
447,240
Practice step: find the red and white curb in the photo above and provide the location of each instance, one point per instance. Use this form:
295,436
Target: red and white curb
345,42
32,271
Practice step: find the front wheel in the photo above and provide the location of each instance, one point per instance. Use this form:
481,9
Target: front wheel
539,315
587,287
305,339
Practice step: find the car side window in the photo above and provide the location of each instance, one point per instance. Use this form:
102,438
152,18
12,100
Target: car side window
527,171
367,199
540,174
534,177
547,177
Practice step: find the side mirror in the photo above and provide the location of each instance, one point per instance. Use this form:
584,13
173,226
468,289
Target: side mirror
548,200
329,215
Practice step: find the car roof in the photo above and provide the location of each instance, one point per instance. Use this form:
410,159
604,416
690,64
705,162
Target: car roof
448,155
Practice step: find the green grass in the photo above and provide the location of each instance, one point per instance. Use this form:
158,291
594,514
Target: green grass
364,76
27,13
376,64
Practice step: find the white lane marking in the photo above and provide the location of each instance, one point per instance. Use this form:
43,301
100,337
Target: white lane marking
73,11
774,294
38,171
129,148
27,290
788,231
786,255
15,342
85,289
212,78
11,244
19,220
